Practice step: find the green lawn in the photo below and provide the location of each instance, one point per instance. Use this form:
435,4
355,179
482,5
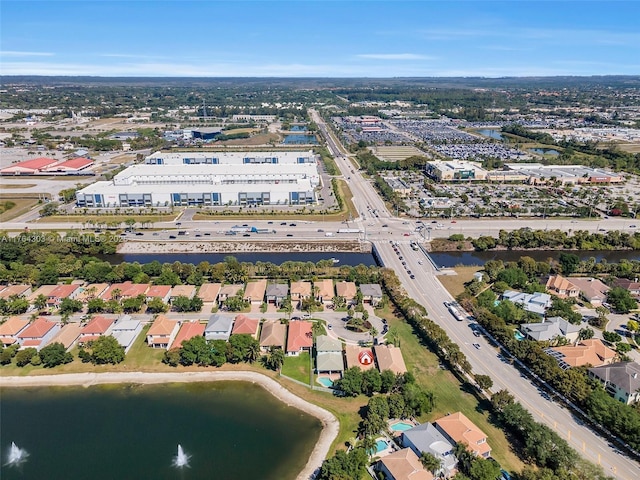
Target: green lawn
298,368
451,395
142,356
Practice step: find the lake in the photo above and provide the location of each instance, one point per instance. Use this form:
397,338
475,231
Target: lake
487,132
545,151
231,430
300,139
344,258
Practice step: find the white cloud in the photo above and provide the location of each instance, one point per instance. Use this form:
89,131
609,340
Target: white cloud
12,53
394,56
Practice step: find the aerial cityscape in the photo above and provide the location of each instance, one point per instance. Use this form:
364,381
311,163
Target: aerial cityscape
320,240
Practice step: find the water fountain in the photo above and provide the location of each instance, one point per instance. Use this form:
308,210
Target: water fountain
17,455
181,459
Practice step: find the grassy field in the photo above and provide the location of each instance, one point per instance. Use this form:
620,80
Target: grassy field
451,395
18,185
22,205
455,283
103,219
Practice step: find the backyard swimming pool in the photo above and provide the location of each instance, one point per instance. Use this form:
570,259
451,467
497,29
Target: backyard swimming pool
381,445
518,335
326,382
401,426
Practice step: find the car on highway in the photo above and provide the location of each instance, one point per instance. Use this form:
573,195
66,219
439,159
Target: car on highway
434,221
476,333
208,234
330,327
632,226
292,225
385,226
453,221
178,224
477,346
420,262
155,234
173,237
246,235
406,234
412,277
283,223
289,234
404,263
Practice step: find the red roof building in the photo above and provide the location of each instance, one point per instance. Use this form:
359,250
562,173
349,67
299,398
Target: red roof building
28,167
73,165
97,326
61,292
162,332
246,325
38,333
11,328
300,337
188,330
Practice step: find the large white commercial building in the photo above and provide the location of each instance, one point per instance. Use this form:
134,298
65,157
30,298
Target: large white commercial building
454,170
209,179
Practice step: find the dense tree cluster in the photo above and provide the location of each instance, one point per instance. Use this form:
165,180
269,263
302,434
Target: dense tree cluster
204,353
104,350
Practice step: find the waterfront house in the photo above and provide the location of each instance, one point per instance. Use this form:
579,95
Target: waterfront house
562,287
10,329
632,286
359,357
38,333
96,327
427,438
229,291
187,331
587,352
276,293
254,292
61,292
219,327
41,290
15,291
324,290
300,291
329,357
403,465
91,291
456,427
188,291
208,292
531,302
68,335
162,332
592,290
121,291
163,292
125,330
389,357
347,290
371,293
273,334
300,337
621,380
549,329
245,325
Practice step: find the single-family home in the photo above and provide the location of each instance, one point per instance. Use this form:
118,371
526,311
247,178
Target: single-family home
10,329
403,465
456,427
228,291
68,335
96,327
125,330
163,292
15,291
219,327
531,302
300,291
324,290
347,290
586,352
273,334
562,287
359,357
592,290
632,286
427,438
162,332
389,357
549,329
61,292
245,325
44,290
91,291
208,292
254,292
38,333
300,337
187,331
276,293
329,355
188,291
371,293
621,380
120,291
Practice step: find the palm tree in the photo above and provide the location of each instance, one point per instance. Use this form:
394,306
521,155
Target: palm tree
369,445
40,302
253,352
430,462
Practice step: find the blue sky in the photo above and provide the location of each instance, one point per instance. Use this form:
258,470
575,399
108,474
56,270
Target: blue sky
322,38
